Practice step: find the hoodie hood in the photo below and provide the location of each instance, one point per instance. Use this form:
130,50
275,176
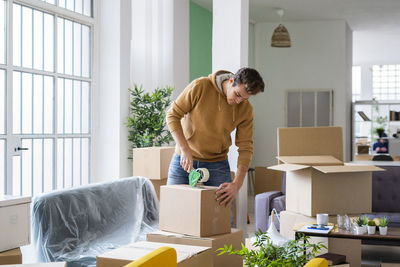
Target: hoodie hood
212,78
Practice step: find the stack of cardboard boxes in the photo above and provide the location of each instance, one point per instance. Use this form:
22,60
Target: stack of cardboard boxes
153,163
15,228
318,181
191,220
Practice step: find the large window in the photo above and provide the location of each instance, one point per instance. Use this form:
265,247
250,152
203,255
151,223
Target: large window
386,82
356,83
45,95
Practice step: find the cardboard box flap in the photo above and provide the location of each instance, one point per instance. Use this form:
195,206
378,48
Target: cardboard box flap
7,200
188,187
310,141
310,160
288,167
347,168
136,250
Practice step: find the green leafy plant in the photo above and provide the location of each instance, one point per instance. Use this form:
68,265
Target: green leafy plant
292,254
380,121
146,120
359,221
365,220
371,223
383,222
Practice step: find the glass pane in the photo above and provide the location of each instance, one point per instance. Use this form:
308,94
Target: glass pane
37,40
61,3
85,160
68,46
3,16
16,102
77,107
2,165
37,166
48,37
26,37
16,179
60,163
48,104
3,104
26,167
26,105
68,106
70,5
60,45
293,106
85,107
37,104
60,106
78,6
68,162
77,49
48,167
76,161
87,7
17,35
308,109
85,51
323,108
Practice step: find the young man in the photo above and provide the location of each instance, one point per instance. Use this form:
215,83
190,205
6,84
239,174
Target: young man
201,120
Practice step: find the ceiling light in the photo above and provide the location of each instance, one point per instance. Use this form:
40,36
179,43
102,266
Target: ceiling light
280,37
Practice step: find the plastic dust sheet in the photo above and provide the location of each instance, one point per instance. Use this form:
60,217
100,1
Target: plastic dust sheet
76,225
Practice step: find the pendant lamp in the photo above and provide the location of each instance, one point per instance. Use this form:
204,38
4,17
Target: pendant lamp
280,37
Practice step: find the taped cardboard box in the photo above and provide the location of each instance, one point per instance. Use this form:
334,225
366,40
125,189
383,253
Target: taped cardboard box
152,162
14,222
48,264
12,256
267,180
187,256
193,211
157,184
323,184
234,238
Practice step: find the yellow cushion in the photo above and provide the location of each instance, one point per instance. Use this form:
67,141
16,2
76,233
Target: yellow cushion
317,262
163,256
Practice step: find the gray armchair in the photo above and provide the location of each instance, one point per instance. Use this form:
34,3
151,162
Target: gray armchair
264,203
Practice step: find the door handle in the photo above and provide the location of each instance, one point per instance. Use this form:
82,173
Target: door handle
21,148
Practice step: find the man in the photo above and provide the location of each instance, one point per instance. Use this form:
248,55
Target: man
201,120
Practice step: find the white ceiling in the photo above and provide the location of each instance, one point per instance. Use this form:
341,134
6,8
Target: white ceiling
361,15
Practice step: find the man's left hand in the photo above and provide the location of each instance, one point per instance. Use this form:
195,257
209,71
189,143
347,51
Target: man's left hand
226,193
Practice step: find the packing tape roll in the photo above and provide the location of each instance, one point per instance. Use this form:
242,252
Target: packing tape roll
205,174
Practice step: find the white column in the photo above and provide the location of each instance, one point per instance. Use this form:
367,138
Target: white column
160,44
230,52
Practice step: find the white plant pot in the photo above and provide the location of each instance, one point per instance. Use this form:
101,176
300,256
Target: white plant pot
371,230
365,227
383,230
359,230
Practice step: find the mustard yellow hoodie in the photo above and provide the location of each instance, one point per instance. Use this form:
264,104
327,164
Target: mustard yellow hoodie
207,121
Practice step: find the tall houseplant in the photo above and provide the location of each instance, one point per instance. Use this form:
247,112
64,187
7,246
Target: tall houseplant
146,120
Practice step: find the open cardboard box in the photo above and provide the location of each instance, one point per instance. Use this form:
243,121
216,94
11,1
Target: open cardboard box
322,182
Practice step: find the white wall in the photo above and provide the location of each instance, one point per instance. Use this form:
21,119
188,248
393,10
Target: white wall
319,58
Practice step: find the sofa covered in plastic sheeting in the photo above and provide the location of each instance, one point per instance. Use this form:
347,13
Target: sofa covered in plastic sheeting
76,225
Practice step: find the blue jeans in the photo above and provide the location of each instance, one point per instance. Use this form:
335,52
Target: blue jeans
220,172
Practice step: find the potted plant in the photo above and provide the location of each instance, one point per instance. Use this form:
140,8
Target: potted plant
146,120
371,227
383,226
359,228
293,253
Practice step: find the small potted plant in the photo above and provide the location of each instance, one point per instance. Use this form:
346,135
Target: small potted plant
383,226
371,227
359,228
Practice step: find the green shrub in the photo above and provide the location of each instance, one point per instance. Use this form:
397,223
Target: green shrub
365,220
371,223
383,222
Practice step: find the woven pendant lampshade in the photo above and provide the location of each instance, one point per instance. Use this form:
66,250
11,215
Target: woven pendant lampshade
280,37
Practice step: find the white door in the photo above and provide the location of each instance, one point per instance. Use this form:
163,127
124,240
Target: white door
45,92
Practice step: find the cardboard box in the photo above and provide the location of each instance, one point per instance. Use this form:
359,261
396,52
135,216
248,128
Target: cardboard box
234,238
157,184
349,247
267,180
187,256
318,184
14,222
47,264
193,211
386,264
12,256
152,162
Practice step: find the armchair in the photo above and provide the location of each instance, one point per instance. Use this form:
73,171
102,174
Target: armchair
265,202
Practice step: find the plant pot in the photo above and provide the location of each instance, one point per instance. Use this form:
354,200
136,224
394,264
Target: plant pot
371,230
383,230
359,230
365,229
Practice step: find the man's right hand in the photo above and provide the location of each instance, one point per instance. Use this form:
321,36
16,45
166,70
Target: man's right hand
186,159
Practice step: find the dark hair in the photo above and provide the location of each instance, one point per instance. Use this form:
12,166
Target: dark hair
251,79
